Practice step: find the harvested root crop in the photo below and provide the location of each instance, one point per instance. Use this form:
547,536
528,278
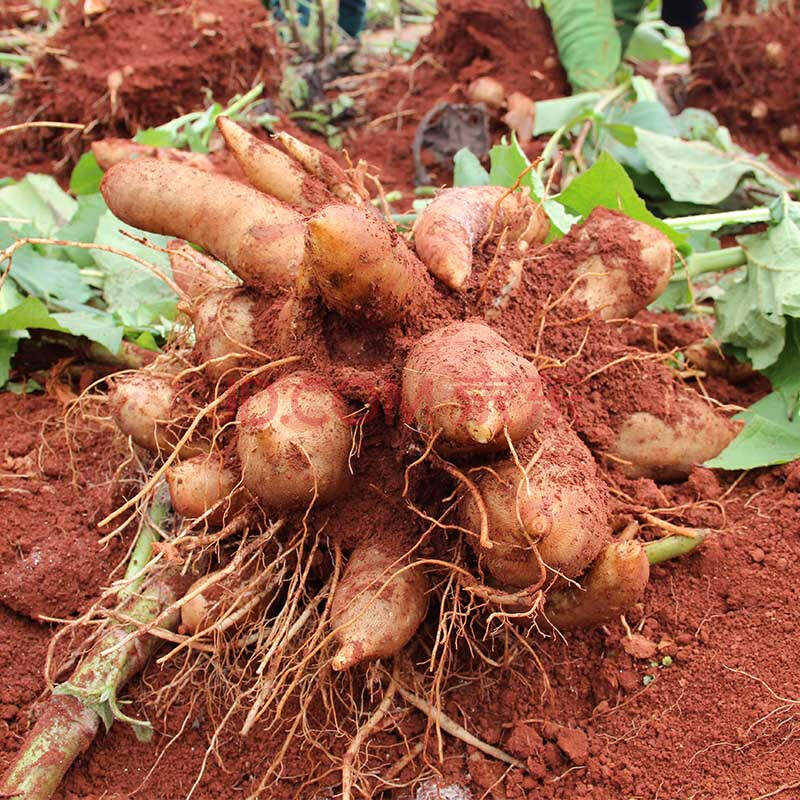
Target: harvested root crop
609,285
466,386
109,152
254,235
270,170
450,228
547,510
294,441
615,582
225,328
362,267
667,448
378,606
204,486
144,407
195,273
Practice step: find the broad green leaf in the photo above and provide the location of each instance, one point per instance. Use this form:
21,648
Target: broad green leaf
48,278
40,200
693,171
550,115
86,176
607,184
27,387
82,227
468,170
649,115
784,374
752,312
130,289
770,436
32,313
652,41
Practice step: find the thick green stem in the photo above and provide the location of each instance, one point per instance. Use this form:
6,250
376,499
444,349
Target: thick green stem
73,714
673,546
719,219
712,261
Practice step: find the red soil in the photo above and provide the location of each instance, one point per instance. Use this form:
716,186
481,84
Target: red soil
599,733
508,41
746,72
136,65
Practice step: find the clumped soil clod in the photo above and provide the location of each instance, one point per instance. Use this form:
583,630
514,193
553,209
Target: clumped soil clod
136,65
745,73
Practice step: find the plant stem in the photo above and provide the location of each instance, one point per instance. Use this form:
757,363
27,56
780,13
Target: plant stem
718,219
712,261
143,549
673,546
72,716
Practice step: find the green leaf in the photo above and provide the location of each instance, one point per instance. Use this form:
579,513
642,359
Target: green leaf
508,161
25,387
752,312
82,227
468,170
607,184
129,289
770,436
48,278
550,115
32,313
40,200
694,171
656,41
86,176
155,137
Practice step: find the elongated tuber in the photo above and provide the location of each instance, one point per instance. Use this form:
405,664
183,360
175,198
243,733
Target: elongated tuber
270,170
612,585
455,222
378,606
362,267
254,235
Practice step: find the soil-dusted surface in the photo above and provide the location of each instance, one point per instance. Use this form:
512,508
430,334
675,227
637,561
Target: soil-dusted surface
745,72
508,41
707,726
680,707
141,63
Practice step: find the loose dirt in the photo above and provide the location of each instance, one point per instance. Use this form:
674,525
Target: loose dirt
745,73
136,65
510,41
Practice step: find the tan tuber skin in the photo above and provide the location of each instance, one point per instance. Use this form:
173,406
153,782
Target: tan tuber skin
615,582
362,267
225,328
109,152
378,606
201,483
556,518
270,170
466,382
143,406
195,273
257,237
646,446
294,441
456,221
614,286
